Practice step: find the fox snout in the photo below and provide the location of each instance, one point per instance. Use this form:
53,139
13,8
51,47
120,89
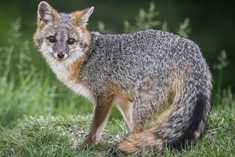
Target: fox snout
60,51
60,56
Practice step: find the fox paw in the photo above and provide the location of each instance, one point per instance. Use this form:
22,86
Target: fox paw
88,142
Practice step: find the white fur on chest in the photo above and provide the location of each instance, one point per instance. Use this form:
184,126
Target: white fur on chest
63,75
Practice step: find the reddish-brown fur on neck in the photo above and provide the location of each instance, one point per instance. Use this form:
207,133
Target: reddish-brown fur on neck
74,69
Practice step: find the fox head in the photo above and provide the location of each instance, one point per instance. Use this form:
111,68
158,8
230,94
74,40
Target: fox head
62,36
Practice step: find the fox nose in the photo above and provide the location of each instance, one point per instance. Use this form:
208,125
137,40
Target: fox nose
60,55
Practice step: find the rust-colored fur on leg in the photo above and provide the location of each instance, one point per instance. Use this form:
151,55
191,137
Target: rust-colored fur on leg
101,115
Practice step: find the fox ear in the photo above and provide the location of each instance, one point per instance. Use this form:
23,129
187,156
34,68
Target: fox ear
46,13
81,18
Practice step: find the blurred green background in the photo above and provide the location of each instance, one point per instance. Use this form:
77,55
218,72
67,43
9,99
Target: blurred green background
212,22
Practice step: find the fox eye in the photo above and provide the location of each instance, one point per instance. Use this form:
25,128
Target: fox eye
51,39
71,41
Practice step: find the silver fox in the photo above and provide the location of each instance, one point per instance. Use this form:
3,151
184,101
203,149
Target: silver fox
159,81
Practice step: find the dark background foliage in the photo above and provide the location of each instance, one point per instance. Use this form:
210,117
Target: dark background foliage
211,22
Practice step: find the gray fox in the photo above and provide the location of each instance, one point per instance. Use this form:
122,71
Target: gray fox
159,81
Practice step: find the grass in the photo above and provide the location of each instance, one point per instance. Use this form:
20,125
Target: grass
54,135
36,97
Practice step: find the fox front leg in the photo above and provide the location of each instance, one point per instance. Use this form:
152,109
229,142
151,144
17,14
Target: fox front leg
100,117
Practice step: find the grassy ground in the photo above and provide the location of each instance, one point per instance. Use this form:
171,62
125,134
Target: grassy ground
51,134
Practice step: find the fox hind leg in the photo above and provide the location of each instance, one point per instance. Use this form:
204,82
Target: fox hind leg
145,139
140,138
181,124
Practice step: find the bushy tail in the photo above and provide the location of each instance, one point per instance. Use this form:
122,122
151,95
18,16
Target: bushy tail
188,119
179,126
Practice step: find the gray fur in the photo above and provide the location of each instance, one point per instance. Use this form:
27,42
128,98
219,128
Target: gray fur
149,65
